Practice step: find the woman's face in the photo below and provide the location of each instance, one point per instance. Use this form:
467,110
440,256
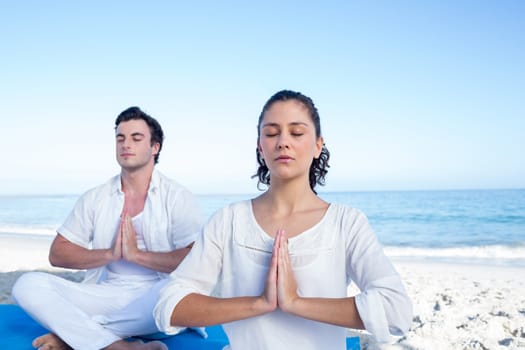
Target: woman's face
288,142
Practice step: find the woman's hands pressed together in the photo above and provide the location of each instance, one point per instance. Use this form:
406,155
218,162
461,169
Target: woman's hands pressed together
281,286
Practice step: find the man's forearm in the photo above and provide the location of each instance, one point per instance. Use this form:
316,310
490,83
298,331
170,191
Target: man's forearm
71,256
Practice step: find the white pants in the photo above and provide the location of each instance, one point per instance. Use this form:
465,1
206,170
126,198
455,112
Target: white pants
89,316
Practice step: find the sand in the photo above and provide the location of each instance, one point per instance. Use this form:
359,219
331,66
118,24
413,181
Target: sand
456,306
463,306
19,254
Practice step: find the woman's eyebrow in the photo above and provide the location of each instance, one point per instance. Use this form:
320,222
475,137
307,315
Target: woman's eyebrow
298,124
270,125
291,124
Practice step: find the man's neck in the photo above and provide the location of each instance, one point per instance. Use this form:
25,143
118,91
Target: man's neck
136,181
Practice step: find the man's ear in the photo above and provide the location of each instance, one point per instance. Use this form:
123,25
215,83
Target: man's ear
156,148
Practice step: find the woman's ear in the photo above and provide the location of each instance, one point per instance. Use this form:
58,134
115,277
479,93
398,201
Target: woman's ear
318,146
259,149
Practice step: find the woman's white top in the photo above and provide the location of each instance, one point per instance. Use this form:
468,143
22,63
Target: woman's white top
231,259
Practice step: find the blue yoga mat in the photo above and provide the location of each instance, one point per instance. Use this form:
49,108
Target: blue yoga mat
17,331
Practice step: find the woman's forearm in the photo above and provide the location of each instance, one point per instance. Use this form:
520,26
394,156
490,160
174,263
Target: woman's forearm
341,311
197,310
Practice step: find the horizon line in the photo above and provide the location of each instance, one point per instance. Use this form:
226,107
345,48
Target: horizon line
319,192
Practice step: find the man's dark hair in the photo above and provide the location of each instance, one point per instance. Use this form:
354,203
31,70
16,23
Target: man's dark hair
134,113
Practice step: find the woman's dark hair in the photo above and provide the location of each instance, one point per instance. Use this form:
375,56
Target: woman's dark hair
318,169
134,113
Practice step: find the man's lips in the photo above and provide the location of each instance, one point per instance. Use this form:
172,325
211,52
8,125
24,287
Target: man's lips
126,154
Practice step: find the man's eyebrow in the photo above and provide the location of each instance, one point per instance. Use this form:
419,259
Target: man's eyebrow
135,134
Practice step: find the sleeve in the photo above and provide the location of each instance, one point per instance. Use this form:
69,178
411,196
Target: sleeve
198,273
187,219
383,304
78,226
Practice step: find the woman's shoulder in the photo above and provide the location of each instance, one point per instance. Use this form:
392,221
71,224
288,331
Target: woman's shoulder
346,217
226,219
345,211
233,209
241,206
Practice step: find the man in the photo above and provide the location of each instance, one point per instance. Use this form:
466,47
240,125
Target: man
128,234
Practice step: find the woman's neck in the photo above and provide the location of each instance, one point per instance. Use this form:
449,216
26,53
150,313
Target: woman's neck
290,197
292,209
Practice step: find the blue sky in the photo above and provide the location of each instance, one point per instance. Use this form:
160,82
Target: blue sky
412,95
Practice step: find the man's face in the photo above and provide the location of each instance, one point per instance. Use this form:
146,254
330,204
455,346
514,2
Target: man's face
133,145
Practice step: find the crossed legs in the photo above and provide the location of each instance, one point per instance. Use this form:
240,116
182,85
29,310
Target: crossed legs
84,316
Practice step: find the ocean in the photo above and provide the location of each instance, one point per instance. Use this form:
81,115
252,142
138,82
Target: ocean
464,226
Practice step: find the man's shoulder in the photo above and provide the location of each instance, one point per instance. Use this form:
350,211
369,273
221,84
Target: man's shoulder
165,183
106,188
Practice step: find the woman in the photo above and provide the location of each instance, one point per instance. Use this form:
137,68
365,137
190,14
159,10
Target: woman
281,263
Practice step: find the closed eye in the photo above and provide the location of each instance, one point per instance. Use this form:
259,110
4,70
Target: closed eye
137,136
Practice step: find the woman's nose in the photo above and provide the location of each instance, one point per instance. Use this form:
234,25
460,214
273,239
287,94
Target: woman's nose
283,142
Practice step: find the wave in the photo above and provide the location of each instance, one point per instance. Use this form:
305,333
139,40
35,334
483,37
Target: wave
28,230
500,254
